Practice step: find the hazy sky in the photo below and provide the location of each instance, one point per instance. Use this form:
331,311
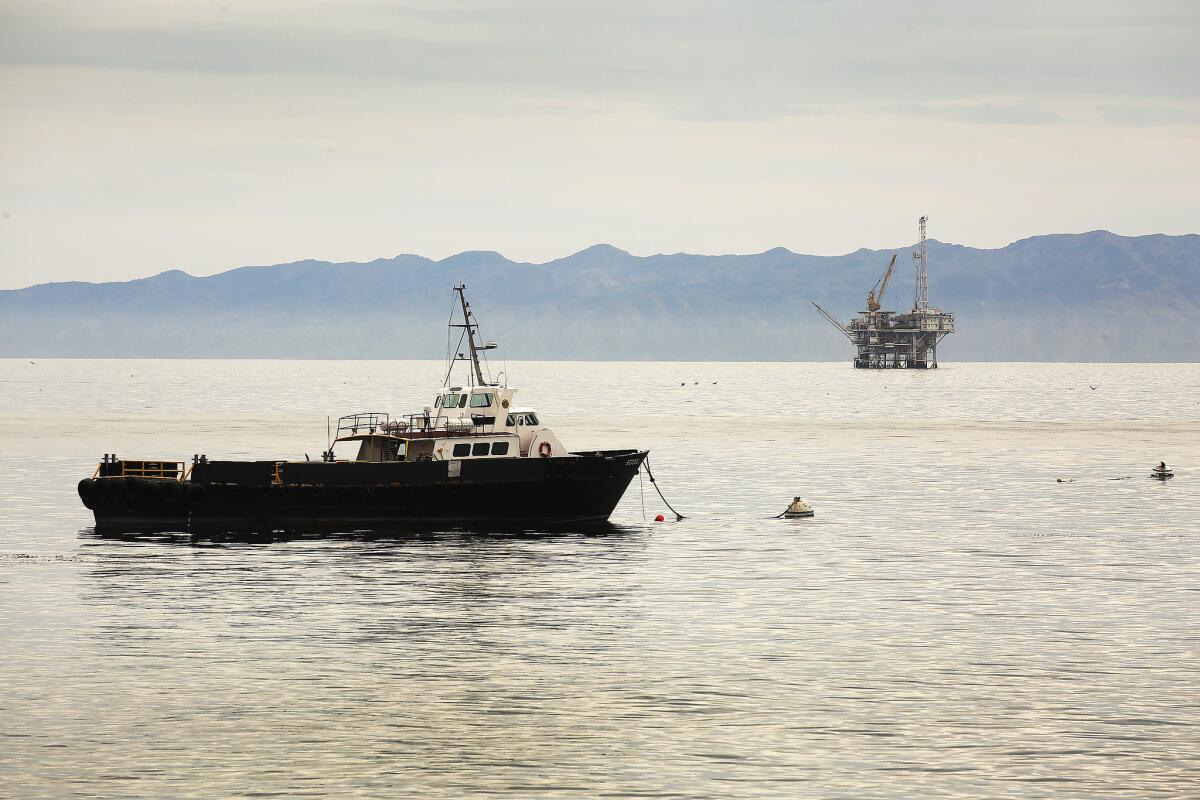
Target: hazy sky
142,136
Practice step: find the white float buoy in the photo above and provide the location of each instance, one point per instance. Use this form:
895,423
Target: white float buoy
798,508
1162,472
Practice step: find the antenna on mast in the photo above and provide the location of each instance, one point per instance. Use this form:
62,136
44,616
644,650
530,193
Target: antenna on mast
921,300
470,328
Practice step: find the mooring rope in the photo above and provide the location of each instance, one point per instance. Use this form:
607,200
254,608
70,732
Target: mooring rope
654,483
642,494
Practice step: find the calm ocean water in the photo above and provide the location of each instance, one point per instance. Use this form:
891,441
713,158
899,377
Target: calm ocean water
953,622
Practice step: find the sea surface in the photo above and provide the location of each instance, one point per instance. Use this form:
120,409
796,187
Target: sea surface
953,622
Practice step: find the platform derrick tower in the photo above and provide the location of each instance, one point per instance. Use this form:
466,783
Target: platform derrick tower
921,295
887,340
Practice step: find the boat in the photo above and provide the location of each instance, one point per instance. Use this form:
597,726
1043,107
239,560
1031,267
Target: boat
798,508
472,458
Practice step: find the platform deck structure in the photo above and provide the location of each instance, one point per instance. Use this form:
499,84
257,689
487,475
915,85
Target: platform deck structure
885,340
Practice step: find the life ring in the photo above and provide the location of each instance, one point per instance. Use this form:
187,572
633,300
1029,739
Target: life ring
545,450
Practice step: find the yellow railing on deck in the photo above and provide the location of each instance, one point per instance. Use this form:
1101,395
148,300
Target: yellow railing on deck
171,470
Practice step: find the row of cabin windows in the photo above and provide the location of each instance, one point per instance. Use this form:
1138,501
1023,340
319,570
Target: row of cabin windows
522,419
464,449
456,400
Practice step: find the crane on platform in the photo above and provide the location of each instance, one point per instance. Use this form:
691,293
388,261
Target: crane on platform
833,321
873,301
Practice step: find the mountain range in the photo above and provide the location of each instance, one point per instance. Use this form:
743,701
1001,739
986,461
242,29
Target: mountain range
1094,296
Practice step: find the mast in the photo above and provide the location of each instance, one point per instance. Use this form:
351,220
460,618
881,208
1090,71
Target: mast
477,374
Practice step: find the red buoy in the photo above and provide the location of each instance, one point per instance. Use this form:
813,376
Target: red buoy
660,518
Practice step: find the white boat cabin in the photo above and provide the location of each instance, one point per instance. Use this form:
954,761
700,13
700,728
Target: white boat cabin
474,421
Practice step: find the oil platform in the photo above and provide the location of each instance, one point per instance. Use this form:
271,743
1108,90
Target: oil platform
888,340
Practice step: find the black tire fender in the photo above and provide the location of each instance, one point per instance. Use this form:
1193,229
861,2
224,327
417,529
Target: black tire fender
87,492
119,490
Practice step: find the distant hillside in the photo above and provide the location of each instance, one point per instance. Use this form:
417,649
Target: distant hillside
1080,297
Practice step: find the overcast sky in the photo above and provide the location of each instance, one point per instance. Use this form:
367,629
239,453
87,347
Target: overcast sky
143,136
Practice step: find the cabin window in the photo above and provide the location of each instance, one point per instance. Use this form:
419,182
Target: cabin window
393,449
480,448
500,449
531,419
462,450
462,401
482,400
451,401
437,403
512,420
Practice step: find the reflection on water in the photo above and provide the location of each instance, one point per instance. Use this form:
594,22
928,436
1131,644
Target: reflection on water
952,622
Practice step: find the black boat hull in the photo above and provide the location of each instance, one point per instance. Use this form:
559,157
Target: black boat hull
509,492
